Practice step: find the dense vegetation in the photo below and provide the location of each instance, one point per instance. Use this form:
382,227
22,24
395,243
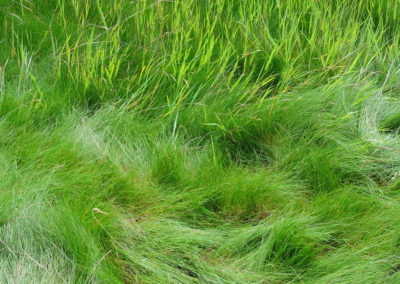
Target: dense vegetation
188,141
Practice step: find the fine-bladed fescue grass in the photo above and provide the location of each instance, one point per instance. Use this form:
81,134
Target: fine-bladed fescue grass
191,141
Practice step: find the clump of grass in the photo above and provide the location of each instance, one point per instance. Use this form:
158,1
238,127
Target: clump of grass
273,248
168,163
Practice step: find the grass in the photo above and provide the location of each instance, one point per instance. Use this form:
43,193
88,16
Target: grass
159,141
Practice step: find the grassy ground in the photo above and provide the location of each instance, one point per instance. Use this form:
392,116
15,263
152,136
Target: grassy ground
221,141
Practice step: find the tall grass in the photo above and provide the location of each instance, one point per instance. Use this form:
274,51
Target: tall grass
199,141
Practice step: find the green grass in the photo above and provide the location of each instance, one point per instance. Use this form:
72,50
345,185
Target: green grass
158,141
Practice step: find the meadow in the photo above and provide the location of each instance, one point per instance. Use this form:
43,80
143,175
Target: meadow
193,141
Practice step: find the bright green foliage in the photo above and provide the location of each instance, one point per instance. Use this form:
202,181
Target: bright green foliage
226,141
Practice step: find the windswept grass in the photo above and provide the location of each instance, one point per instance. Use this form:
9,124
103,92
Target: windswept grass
226,141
